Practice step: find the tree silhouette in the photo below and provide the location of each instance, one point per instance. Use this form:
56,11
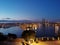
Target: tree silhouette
27,35
12,35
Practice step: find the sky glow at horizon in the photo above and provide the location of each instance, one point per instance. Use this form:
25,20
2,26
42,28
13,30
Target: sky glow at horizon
30,9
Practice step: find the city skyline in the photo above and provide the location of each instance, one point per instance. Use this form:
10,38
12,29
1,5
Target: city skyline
30,9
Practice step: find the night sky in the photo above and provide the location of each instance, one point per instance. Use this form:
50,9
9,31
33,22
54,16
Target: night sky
30,9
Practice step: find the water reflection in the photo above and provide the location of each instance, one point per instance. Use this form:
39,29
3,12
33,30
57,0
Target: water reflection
39,32
14,30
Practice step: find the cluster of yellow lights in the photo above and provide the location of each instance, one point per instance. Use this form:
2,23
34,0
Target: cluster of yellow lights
40,43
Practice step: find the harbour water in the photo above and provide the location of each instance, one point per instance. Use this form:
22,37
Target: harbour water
18,31
13,30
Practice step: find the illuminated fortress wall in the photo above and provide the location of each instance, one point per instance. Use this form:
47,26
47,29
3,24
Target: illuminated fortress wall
30,26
